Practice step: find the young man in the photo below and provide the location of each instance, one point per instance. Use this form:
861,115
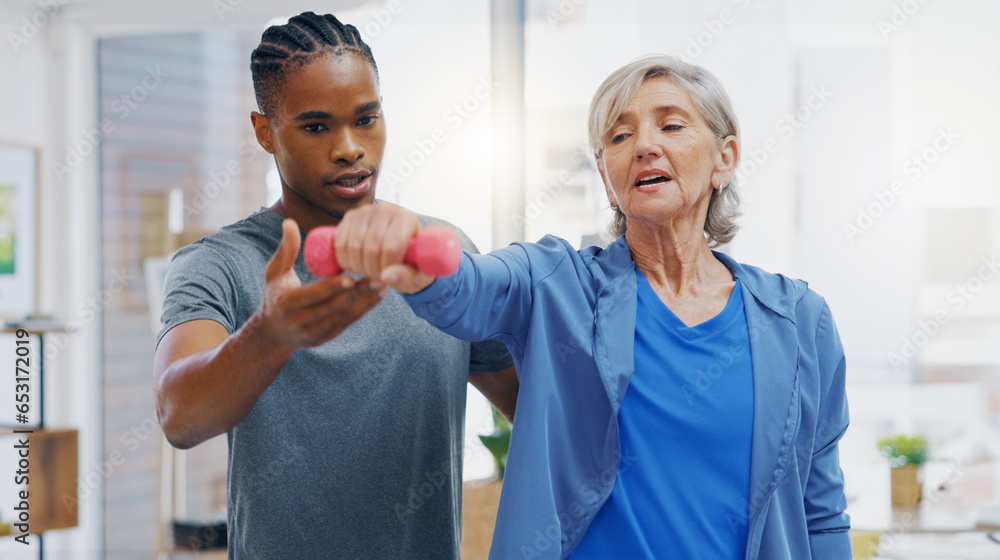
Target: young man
344,412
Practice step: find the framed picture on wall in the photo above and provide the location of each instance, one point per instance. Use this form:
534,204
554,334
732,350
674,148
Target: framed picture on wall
18,228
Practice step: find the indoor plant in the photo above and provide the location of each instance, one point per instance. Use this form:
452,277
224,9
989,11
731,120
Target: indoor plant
498,441
905,455
481,498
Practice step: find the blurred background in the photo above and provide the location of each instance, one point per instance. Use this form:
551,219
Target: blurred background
868,129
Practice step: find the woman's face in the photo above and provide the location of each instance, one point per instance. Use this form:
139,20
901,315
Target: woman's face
661,160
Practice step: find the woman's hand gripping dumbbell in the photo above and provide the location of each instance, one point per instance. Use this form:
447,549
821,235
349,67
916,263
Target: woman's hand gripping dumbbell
435,251
384,243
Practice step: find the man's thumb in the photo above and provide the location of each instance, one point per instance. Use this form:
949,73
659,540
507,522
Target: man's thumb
284,258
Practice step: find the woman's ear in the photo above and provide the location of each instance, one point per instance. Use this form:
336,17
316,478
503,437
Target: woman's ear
262,128
612,199
725,168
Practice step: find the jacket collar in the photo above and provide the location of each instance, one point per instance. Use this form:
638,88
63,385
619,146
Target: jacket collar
769,301
612,261
776,292
615,315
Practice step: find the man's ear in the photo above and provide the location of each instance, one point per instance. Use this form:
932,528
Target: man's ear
262,128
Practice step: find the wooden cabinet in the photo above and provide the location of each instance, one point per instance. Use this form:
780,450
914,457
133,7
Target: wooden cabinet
52,475
52,494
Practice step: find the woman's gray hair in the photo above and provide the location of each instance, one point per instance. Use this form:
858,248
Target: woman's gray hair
711,100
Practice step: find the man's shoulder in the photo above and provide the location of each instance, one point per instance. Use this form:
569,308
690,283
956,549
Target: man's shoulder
263,226
261,229
240,246
427,221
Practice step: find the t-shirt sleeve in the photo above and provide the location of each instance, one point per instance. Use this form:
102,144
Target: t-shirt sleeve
199,285
489,356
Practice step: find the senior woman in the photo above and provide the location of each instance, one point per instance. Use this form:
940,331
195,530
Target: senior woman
674,403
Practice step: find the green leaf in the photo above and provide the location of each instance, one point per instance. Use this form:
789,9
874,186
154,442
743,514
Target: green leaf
499,441
902,450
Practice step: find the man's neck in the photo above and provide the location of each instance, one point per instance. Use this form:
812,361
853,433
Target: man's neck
308,216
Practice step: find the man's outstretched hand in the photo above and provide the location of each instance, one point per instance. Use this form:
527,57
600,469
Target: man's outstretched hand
297,315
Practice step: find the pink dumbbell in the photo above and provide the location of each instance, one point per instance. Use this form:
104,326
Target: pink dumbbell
435,251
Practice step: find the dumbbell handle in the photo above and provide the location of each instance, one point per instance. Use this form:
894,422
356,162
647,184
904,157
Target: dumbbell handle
435,251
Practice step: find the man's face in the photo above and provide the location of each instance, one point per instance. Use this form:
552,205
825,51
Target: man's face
327,135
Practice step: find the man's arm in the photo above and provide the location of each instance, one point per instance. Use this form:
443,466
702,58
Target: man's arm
372,241
500,387
206,380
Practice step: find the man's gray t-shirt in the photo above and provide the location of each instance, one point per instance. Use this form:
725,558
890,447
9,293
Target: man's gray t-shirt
355,450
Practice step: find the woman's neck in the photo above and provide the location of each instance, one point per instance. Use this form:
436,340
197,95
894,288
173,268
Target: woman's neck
674,259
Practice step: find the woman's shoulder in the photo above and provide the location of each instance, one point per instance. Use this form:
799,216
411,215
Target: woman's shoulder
604,263
789,296
548,247
553,259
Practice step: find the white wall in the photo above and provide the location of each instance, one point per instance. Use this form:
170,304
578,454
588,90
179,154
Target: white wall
434,68
49,103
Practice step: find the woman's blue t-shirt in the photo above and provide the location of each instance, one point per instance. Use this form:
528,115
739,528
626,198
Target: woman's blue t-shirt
685,425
